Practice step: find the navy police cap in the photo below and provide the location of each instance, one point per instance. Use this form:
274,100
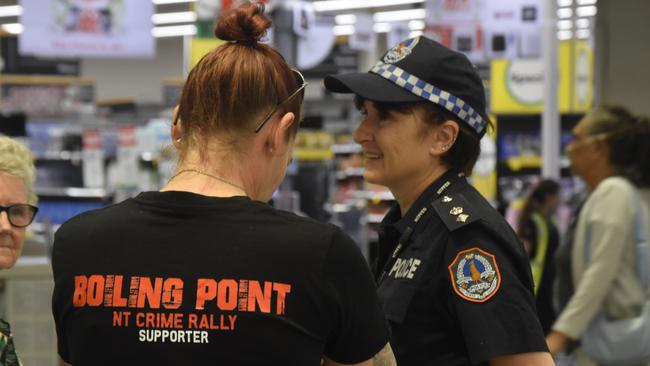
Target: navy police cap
416,69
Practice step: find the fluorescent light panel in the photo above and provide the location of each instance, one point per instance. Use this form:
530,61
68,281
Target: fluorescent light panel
564,35
416,24
564,24
165,2
586,11
564,3
582,23
13,28
178,17
343,30
587,2
174,31
399,15
582,33
381,27
11,11
343,19
564,13
337,5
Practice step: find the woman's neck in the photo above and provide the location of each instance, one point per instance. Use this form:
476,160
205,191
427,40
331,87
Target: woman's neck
597,175
408,192
213,176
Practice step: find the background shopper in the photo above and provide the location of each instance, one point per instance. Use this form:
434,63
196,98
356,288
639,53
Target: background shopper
609,153
17,211
541,239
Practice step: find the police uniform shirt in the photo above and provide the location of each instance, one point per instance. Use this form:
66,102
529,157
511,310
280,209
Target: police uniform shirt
459,290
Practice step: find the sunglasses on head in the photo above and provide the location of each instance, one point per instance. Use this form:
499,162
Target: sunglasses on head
301,81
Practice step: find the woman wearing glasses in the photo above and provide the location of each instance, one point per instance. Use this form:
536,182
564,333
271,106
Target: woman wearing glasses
610,154
204,271
16,213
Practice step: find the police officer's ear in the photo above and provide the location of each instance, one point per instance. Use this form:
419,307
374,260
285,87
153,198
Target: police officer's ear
444,137
177,129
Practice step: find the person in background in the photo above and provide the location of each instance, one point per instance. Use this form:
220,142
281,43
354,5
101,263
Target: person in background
541,239
609,152
205,272
17,211
453,277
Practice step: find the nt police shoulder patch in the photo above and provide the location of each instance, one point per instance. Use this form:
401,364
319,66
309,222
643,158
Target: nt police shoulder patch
475,275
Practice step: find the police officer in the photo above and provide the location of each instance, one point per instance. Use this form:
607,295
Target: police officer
453,278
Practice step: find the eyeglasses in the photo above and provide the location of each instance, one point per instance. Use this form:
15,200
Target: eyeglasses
20,215
301,80
579,140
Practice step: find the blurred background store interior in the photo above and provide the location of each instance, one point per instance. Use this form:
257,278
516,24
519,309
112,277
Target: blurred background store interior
90,85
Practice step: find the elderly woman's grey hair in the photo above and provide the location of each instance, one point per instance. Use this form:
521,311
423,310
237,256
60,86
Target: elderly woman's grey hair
17,160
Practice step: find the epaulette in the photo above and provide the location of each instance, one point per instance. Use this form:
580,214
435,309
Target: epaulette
455,211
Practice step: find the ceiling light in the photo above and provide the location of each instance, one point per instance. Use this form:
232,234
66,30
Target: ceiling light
336,5
586,11
564,24
564,3
564,13
178,17
165,2
13,28
415,34
11,11
564,35
381,27
345,19
582,23
587,2
399,15
343,30
174,31
582,33
416,25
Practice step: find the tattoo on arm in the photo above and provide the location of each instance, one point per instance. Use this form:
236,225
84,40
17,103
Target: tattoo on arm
385,357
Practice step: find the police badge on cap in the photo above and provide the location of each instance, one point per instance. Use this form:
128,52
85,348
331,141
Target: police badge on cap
421,69
400,51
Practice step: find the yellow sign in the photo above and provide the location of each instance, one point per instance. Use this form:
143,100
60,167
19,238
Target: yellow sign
484,175
517,86
583,76
200,47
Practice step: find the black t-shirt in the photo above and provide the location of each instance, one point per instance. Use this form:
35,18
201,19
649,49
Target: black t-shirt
460,290
175,278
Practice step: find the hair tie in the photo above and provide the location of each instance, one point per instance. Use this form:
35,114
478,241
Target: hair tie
245,42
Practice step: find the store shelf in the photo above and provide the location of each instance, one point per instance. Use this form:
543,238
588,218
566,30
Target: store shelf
374,218
349,173
346,148
74,192
312,154
375,195
60,156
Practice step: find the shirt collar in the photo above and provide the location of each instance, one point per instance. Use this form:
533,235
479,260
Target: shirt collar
394,218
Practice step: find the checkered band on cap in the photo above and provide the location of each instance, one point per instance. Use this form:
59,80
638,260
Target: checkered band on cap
431,93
